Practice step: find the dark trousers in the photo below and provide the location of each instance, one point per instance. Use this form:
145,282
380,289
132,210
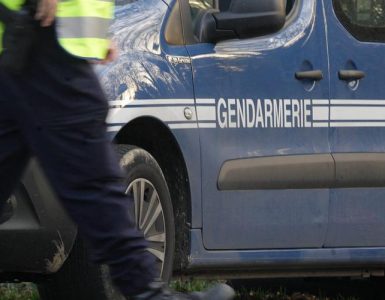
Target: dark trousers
56,111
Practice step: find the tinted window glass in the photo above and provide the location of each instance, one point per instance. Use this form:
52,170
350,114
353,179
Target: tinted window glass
289,6
197,6
365,19
225,4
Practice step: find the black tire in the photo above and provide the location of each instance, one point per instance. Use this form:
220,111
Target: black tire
80,279
138,163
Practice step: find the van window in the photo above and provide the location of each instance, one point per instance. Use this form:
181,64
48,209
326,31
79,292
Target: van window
364,19
225,4
198,6
289,6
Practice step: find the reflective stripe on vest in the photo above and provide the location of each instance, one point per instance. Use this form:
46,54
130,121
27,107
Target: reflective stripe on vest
82,27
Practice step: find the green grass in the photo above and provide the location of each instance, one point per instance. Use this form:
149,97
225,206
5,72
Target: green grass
28,291
256,294
20,291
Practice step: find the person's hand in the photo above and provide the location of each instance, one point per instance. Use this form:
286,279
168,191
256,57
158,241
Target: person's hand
112,54
46,11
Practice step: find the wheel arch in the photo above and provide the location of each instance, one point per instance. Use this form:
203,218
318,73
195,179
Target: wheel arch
155,137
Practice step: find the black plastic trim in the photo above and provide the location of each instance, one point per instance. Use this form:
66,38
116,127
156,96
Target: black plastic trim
350,75
360,169
336,170
315,75
277,172
40,235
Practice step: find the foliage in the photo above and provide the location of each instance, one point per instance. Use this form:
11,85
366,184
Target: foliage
190,285
21,291
369,13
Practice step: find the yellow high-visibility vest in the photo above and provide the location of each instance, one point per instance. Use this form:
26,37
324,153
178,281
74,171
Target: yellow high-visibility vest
14,5
81,25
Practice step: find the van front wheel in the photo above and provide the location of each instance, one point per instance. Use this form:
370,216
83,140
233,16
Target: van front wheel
153,214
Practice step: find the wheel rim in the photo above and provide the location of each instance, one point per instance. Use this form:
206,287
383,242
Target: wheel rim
149,218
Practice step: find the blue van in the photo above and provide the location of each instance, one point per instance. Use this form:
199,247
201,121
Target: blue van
252,134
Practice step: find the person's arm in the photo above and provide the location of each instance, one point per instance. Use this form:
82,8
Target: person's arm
112,54
46,11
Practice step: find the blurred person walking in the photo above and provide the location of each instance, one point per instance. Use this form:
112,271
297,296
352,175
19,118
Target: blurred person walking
52,107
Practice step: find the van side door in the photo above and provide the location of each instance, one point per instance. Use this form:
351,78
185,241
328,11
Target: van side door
356,38
266,163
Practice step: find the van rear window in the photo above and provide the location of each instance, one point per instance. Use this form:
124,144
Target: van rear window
364,19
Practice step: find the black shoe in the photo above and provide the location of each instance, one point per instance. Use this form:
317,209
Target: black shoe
157,291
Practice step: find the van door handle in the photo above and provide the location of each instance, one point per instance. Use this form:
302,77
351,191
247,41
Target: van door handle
315,75
350,75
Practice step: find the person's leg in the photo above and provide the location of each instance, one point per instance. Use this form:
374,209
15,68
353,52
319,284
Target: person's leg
13,159
64,111
14,152
83,170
